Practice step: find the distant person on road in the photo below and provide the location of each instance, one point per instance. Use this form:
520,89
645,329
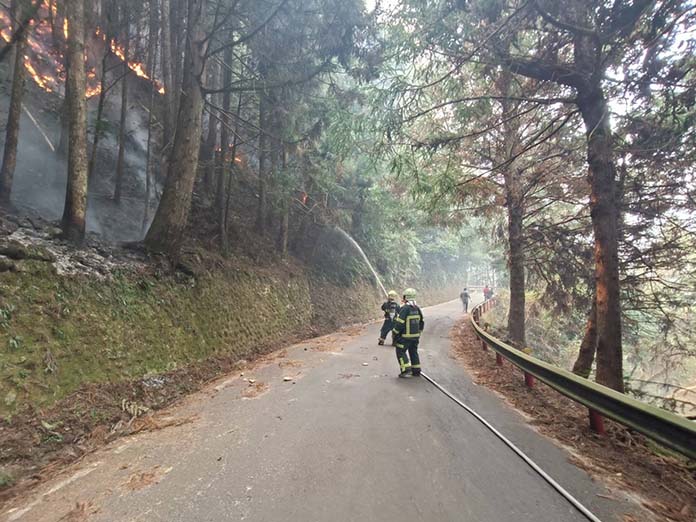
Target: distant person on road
391,309
408,327
464,296
486,293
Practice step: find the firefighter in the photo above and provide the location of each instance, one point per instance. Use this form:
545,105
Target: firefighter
391,309
408,327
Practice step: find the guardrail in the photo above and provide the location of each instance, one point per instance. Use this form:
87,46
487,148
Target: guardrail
673,431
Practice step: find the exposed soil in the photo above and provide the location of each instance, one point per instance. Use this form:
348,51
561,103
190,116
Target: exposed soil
665,483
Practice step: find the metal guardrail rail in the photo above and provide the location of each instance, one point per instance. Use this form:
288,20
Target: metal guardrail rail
673,431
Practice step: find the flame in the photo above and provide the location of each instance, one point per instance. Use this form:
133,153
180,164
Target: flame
93,91
6,23
52,6
39,57
41,81
137,67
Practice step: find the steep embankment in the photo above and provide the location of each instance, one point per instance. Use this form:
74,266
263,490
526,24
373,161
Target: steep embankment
59,332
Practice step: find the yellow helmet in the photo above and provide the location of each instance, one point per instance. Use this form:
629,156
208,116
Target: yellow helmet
392,294
409,294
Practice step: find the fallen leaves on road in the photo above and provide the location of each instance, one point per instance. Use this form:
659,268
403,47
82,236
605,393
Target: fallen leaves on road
153,423
143,479
80,513
254,390
290,364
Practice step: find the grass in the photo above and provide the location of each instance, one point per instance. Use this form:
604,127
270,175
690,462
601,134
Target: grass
57,333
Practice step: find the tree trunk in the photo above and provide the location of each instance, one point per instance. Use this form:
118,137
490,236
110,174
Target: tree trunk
233,159
9,158
514,201
285,216
52,22
272,179
583,364
166,59
605,216
62,149
516,316
97,122
262,203
167,230
151,67
177,17
208,155
224,170
75,211
122,134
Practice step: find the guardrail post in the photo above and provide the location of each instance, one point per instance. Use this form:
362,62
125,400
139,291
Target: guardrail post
596,422
528,380
484,345
498,359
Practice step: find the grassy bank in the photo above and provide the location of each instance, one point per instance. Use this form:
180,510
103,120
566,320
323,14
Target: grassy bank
58,333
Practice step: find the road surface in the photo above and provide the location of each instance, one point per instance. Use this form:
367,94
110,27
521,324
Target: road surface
343,440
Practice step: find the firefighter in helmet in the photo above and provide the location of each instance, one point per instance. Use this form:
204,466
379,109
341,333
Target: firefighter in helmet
391,309
408,327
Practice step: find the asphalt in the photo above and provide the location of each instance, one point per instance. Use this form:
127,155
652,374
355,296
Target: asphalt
327,432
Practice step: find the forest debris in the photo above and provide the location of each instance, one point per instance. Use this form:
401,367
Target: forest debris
80,513
254,390
143,479
133,408
50,362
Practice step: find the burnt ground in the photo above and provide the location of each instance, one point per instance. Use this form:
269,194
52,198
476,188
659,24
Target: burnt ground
665,483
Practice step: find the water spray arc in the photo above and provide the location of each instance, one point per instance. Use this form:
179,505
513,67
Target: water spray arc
364,257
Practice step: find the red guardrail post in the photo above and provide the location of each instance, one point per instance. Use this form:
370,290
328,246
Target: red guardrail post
484,345
596,422
498,359
528,380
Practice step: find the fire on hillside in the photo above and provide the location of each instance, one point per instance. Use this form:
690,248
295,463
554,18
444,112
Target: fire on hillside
43,58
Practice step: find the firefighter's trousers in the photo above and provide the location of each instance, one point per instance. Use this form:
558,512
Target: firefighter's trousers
386,328
405,349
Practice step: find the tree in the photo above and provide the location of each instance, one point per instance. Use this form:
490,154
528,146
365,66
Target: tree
122,129
167,230
9,158
75,211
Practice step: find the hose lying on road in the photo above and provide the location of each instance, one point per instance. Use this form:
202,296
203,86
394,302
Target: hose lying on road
555,485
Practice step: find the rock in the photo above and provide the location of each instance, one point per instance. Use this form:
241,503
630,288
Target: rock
365,364
251,381
287,379
16,250
7,265
53,232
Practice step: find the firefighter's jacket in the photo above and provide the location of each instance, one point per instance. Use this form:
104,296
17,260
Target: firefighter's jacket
409,324
390,309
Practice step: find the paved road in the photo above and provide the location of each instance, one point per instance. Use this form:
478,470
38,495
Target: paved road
341,441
